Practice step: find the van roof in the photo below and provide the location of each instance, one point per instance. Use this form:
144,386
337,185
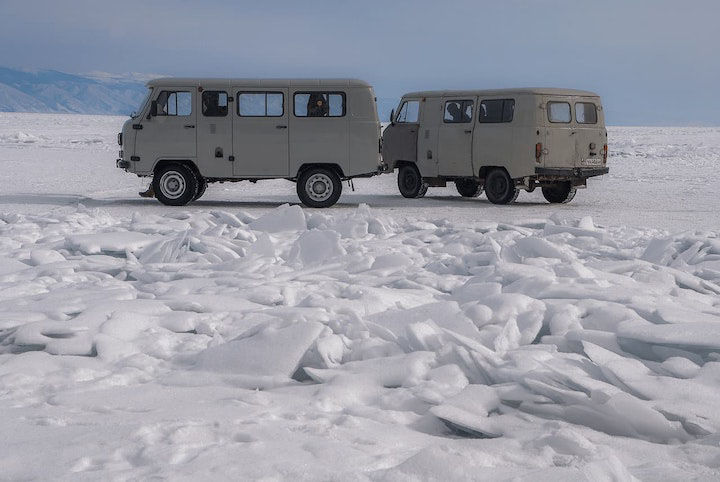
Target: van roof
235,82
492,92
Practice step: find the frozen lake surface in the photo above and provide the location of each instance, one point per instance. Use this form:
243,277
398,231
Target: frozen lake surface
241,338
659,177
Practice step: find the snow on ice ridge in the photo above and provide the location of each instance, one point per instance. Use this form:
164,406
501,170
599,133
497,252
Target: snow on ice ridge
499,331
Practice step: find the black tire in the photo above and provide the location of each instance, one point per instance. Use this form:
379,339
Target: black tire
202,186
175,184
500,188
468,187
559,193
410,183
319,187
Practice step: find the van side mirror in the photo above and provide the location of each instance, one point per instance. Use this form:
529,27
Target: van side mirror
392,117
153,109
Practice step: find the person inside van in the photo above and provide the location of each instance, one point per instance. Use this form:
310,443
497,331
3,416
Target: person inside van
457,115
210,105
317,106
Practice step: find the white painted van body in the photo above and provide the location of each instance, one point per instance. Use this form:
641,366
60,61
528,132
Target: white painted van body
253,129
520,138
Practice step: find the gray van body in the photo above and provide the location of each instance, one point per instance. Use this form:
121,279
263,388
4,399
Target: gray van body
522,140
225,144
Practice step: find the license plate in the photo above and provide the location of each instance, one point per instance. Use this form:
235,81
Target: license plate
591,162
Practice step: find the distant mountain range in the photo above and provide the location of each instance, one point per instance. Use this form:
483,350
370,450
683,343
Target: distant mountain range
53,91
92,93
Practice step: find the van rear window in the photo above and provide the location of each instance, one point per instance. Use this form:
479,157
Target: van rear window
260,104
496,110
319,104
559,112
458,111
585,113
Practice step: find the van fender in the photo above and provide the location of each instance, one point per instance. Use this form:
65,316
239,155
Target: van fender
186,162
335,167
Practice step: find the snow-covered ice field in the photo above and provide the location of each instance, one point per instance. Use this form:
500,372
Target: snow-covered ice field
240,338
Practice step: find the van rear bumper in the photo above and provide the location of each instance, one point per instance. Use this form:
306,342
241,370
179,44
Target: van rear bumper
571,172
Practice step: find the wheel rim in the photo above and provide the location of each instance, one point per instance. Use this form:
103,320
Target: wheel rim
319,187
499,185
409,181
172,185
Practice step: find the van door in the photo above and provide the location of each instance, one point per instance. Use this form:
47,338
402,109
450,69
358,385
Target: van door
170,134
260,133
455,138
590,132
214,133
400,139
319,127
560,133
493,138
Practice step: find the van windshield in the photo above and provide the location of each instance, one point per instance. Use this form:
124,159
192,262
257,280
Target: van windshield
142,104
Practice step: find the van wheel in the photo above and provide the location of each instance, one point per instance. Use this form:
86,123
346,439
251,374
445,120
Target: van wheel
410,182
175,184
319,187
561,192
202,186
500,188
468,187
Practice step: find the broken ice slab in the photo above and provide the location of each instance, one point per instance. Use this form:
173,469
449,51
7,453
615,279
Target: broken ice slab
269,352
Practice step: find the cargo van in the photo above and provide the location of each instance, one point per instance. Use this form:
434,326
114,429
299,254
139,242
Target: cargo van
190,132
501,141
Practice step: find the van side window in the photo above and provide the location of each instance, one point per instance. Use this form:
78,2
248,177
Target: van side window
559,112
585,113
261,104
174,103
214,103
320,104
408,112
496,110
458,111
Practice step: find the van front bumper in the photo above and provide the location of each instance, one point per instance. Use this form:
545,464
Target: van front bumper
571,173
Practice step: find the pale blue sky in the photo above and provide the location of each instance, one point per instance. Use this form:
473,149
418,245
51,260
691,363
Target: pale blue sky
654,62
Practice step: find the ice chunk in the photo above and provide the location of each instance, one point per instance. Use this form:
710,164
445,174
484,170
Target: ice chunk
270,352
114,242
282,218
45,256
468,411
313,247
393,260
533,247
699,335
263,246
9,266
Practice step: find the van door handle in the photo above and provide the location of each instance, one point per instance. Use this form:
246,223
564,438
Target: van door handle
280,127
468,131
189,126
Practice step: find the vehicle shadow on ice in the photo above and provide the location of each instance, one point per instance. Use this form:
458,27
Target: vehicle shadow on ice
350,201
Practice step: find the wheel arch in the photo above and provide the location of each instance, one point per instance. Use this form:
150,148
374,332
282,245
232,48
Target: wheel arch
310,165
399,164
185,162
484,170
